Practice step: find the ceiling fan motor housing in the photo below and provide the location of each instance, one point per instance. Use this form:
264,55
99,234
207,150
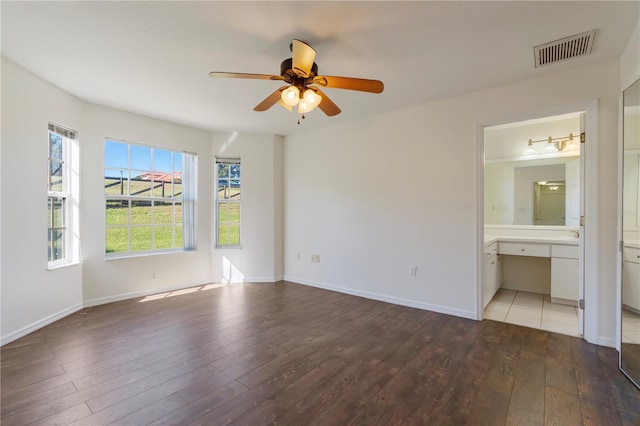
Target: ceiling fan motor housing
290,76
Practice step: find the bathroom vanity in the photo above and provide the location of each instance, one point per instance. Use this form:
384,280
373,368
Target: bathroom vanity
532,259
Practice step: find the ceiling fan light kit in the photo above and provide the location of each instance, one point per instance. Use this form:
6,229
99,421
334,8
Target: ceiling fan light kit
301,72
291,96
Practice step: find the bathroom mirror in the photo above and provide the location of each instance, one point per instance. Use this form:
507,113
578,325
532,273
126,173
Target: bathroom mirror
549,203
520,160
630,296
533,192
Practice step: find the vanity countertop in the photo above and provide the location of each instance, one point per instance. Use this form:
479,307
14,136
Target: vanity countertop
490,239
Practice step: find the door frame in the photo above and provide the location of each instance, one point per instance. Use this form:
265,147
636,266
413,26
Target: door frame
589,267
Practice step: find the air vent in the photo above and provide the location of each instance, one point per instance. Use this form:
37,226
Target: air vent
563,49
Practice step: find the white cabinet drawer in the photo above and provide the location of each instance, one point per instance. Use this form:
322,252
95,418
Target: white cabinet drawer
565,251
630,254
525,249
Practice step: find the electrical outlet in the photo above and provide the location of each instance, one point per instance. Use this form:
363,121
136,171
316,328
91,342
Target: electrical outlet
298,255
413,271
315,258
154,275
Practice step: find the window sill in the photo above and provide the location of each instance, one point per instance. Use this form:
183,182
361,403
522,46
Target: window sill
239,247
62,265
118,256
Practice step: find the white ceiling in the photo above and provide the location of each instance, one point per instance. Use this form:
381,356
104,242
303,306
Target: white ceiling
154,58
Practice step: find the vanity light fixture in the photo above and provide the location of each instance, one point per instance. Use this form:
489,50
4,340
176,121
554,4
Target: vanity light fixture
530,149
569,144
553,145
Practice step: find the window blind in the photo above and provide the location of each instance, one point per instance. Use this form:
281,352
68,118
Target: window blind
227,160
62,131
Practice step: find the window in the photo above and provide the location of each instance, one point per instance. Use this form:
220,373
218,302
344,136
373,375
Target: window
58,188
228,202
150,197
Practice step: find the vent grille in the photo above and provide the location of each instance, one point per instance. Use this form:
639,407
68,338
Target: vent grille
564,49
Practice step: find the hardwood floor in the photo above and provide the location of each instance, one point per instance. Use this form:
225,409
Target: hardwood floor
289,354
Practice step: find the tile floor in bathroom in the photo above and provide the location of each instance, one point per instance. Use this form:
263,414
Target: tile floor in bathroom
532,310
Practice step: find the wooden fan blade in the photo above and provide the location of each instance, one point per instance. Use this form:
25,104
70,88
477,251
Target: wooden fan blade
326,105
303,57
245,75
350,83
270,100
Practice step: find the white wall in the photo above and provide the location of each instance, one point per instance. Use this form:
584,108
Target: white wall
375,197
630,60
278,185
116,279
260,258
499,193
379,195
32,296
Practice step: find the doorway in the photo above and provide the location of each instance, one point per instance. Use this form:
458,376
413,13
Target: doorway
533,201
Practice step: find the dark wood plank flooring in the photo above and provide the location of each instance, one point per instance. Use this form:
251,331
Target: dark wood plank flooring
289,354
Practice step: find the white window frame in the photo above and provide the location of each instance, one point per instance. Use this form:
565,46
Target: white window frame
187,201
219,202
63,193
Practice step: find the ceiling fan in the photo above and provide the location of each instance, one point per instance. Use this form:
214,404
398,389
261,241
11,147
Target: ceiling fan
301,72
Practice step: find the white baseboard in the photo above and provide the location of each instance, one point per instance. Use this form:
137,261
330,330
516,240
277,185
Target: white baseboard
251,279
15,335
262,279
10,337
136,294
386,298
150,292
